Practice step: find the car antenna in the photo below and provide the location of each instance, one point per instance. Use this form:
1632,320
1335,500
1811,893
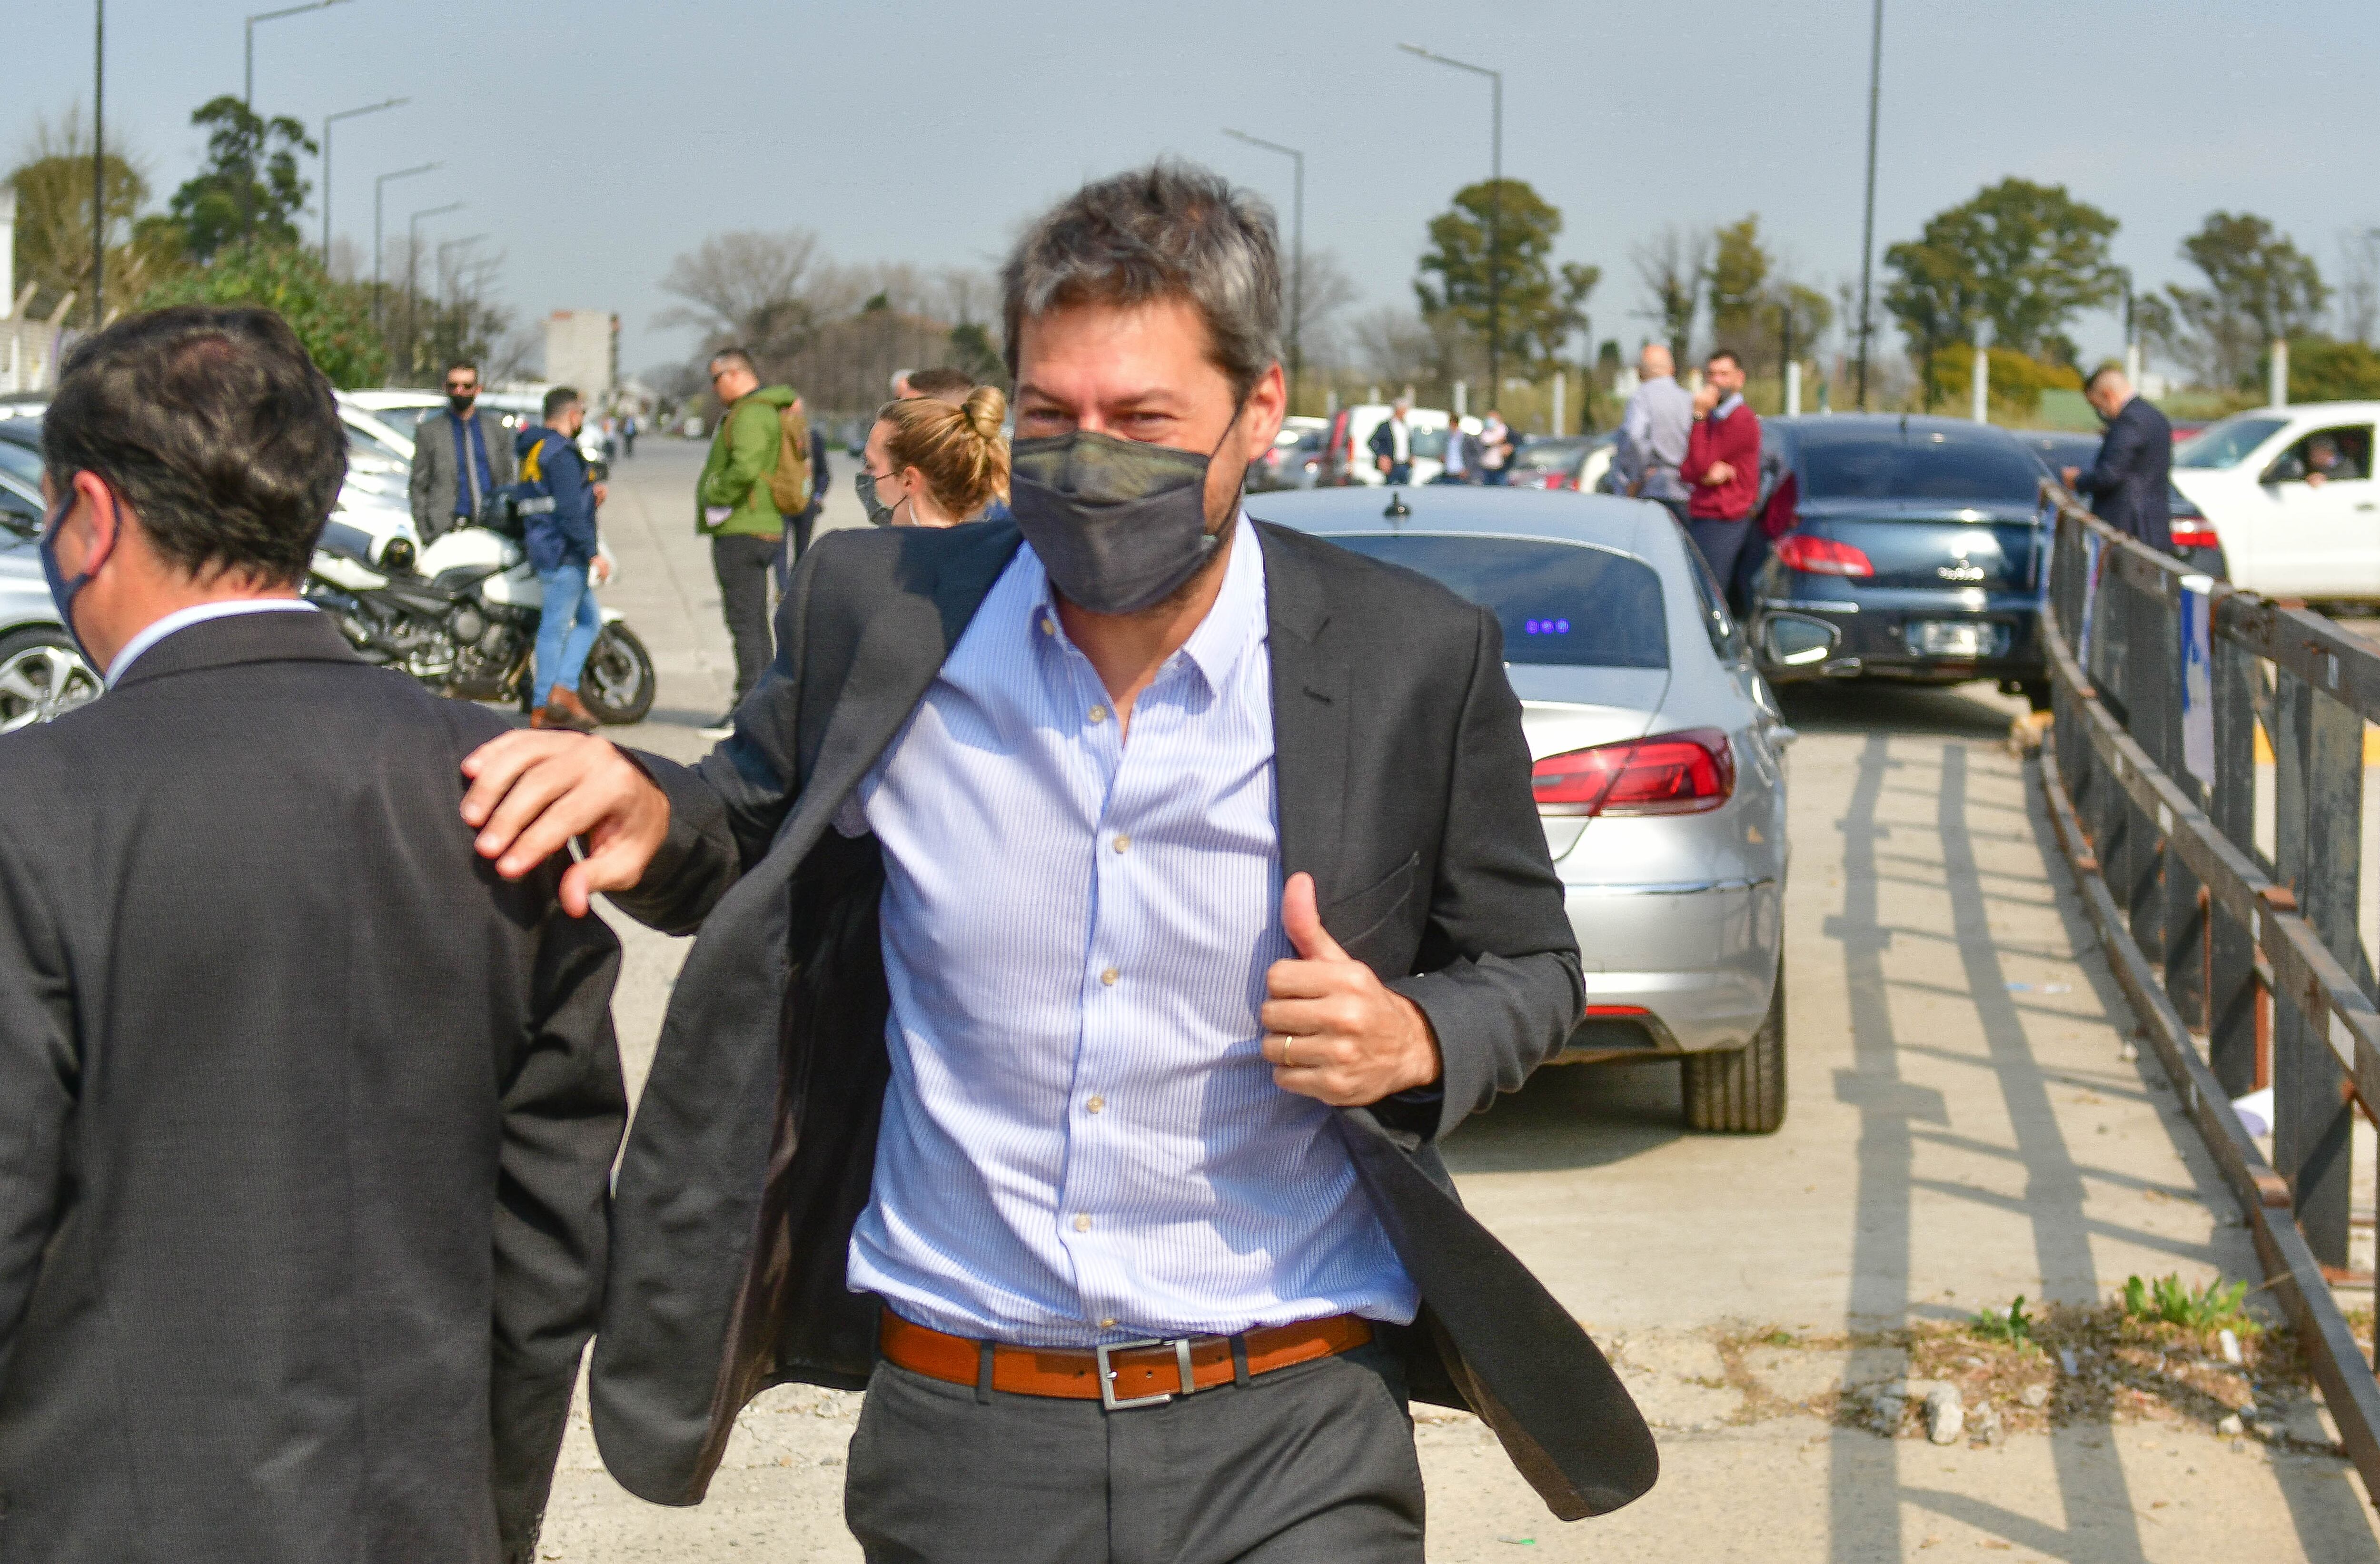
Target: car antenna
1398,510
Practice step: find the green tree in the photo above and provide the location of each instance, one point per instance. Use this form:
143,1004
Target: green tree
1737,285
2259,286
2322,369
53,238
2016,377
1541,305
249,188
332,318
2028,258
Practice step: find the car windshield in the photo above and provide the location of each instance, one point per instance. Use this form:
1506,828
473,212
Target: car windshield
1559,603
1919,466
2227,445
22,461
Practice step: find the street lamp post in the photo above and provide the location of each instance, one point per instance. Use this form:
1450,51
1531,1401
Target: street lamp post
1297,251
1867,225
380,186
98,170
248,84
1495,216
412,265
328,121
450,244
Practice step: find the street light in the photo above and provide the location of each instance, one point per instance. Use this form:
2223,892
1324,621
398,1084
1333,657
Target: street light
248,86
450,244
380,186
328,121
1495,215
1867,225
1297,251
98,167
412,267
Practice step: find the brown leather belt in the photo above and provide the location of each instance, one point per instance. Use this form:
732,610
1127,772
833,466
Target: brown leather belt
1123,1374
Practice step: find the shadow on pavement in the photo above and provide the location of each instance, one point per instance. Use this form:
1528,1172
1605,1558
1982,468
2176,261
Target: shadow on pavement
1971,711
1574,1116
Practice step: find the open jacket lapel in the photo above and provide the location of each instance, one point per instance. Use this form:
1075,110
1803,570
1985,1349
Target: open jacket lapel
1310,700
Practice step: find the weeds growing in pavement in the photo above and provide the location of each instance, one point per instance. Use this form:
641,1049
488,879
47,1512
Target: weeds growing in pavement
2013,1327
2168,1301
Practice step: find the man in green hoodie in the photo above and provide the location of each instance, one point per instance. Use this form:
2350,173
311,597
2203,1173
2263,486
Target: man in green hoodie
736,512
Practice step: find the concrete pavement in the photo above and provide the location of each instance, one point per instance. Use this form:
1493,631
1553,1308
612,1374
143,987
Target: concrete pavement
1964,1127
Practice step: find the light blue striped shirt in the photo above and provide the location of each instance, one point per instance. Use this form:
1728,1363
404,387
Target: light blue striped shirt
1081,1140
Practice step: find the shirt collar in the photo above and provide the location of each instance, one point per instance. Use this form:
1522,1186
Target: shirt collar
1230,626
197,613
1727,408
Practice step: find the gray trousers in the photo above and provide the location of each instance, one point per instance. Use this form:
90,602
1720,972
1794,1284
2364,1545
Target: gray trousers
1311,1464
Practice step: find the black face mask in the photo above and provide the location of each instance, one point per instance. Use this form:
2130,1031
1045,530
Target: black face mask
879,513
1119,525
461,403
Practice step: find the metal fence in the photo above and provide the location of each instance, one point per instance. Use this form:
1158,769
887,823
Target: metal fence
2245,966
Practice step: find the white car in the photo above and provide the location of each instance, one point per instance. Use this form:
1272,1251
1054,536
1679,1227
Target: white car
1347,453
2290,525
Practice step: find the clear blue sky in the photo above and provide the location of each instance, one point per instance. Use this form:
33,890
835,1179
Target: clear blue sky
596,139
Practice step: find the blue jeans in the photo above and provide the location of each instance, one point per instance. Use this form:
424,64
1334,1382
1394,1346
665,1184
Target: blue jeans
569,612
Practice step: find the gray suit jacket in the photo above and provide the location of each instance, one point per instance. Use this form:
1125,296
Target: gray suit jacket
305,1124
1403,788
435,478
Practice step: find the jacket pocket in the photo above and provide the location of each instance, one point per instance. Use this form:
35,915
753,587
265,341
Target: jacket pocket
1354,918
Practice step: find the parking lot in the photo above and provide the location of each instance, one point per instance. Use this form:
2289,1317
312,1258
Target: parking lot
1965,1126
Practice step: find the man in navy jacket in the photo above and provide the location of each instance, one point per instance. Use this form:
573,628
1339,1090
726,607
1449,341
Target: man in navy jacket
2127,485
562,549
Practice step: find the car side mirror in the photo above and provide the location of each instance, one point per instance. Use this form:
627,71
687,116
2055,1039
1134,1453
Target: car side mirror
17,519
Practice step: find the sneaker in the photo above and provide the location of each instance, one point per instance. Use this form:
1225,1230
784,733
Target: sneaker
722,727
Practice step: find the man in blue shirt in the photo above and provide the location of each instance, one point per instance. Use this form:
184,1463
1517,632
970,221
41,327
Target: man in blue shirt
460,455
1103,913
565,550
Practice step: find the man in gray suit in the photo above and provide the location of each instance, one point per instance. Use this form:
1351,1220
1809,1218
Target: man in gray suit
1653,434
459,453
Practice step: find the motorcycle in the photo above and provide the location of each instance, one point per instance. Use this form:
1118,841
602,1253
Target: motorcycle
461,616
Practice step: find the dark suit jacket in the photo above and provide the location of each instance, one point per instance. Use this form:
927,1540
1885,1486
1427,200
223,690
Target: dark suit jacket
305,1123
1403,788
435,478
2129,486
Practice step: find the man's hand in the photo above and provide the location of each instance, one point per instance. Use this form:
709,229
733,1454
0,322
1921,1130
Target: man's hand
1716,474
1333,1031
602,493
2068,474
601,566
533,792
1383,463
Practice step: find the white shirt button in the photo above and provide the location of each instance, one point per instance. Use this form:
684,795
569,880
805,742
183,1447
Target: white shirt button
1098,715
1110,976
1082,1224
1047,627
1107,1324
1124,843
1095,1104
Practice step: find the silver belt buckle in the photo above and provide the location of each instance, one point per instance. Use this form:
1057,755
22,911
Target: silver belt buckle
1181,1345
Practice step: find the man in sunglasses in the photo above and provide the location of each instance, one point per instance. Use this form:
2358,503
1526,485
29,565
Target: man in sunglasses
461,455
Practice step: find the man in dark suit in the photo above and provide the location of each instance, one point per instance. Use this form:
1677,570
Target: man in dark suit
1038,1083
460,453
306,1116
2129,485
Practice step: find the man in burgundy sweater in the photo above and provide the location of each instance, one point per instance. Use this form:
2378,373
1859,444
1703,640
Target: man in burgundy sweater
1723,467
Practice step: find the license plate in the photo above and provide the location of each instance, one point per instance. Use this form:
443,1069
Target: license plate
1962,638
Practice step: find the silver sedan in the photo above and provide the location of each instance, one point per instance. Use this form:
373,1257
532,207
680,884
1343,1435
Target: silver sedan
1659,764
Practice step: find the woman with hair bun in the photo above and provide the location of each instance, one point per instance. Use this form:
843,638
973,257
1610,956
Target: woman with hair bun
931,464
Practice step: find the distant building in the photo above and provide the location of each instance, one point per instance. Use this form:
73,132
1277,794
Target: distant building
582,350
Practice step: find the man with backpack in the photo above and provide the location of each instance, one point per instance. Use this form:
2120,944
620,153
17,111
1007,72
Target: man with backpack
757,475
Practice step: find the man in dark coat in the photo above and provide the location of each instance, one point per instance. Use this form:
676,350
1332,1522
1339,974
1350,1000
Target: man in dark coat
1080,1101
306,1115
460,455
2128,487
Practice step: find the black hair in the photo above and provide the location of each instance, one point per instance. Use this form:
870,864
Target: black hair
733,356
214,427
463,364
561,396
1726,353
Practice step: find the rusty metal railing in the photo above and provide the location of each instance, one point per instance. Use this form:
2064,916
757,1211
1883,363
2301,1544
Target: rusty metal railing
2160,680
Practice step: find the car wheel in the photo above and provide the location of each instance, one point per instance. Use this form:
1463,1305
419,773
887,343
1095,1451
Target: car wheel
1742,1091
42,677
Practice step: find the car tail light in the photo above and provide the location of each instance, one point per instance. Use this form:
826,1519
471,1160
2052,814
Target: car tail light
2194,532
1678,773
1615,1012
1557,480
1822,556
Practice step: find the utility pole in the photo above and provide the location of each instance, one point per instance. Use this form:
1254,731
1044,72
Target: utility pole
98,169
380,187
1297,251
1494,219
412,269
1867,226
328,121
247,83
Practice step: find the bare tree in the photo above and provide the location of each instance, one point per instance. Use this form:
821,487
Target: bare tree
2359,284
1327,290
1672,265
746,287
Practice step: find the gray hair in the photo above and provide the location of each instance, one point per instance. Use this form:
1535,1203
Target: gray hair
1172,230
